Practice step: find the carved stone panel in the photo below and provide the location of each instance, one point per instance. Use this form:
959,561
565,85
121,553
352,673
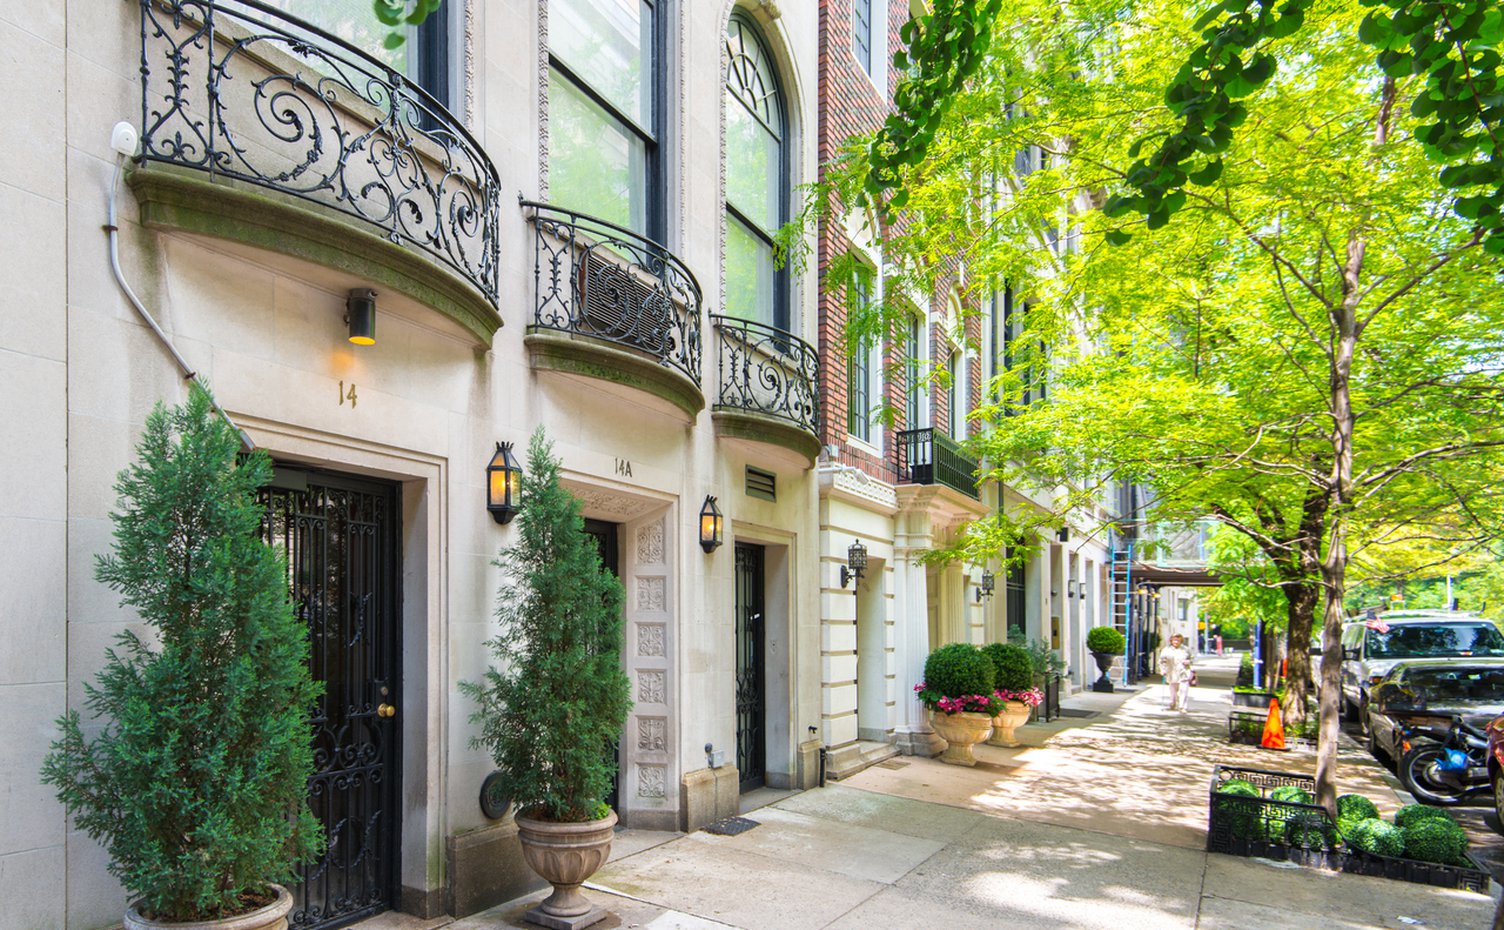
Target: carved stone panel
651,781
650,639
652,734
652,593
650,543
652,687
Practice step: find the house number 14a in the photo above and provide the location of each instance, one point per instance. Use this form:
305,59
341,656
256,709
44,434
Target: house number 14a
345,395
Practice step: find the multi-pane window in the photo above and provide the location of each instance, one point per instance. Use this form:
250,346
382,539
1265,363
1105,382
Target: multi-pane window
953,396
423,57
914,382
604,111
861,33
756,178
859,366
1028,362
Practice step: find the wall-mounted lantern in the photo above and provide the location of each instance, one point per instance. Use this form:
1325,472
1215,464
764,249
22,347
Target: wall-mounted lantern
503,484
856,563
712,526
360,316
986,586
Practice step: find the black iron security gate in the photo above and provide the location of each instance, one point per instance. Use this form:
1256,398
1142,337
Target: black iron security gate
339,535
751,680
604,535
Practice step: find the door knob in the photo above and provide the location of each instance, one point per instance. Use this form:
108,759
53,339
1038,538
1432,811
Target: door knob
386,710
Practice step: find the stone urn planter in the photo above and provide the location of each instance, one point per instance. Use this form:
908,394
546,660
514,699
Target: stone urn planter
271,917
961,731
566,855
1014,714
1104,665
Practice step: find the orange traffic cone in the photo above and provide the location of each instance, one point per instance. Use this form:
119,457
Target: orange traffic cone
1274,728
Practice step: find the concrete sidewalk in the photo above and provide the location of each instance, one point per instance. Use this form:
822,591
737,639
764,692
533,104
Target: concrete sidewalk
1098,823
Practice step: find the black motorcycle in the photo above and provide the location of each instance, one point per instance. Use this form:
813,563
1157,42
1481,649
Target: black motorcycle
1445,766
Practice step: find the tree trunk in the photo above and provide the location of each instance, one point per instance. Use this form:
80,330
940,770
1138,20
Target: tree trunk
1301,613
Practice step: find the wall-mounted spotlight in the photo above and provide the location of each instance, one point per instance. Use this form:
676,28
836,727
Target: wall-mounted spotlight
712,526
360,315
503,484
986,586
856,563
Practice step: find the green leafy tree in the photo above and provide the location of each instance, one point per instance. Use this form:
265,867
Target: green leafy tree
197,784
559,696
1309,352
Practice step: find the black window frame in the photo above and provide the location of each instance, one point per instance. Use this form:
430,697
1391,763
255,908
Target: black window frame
782,280
862,33
655,185
913,400
859,364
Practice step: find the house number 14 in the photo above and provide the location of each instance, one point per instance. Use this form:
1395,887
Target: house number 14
345,395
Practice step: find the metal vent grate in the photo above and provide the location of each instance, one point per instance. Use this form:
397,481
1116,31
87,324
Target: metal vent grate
763,484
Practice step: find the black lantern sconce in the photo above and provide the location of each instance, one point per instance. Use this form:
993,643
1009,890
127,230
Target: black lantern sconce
503,484
1070,589
856,563
360,316
986,586
712,526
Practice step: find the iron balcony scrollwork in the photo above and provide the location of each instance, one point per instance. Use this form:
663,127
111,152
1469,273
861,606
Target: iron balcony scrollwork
764,369
928,456
243,90
597,279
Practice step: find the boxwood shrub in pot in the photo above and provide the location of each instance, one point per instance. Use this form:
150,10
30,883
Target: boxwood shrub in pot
958,690
1104,642
557,695
197,783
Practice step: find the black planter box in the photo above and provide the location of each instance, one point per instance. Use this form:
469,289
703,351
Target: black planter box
1246,727
1470,877
1246,826
1252,699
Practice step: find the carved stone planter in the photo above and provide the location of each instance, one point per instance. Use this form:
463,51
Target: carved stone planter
1014,714
960,732
566,855
271,917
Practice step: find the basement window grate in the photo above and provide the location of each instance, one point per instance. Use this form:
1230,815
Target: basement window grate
763,484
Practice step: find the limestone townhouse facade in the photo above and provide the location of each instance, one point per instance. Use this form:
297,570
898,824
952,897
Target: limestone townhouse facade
553,212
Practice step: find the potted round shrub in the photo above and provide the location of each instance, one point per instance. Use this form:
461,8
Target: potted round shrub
1105,644
957,689
1013,689
557,694
197,783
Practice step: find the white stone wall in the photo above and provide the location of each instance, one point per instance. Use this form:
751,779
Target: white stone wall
80,371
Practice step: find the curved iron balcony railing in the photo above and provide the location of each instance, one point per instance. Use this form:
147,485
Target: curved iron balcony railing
240,89
764,369
598,279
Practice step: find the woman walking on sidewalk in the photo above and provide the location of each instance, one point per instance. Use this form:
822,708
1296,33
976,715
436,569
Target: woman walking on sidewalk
1175,665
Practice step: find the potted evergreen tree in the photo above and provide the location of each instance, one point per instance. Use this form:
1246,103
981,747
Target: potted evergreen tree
196,785
557,695
1104,643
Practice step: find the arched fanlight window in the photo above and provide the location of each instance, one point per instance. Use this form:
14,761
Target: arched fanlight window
756,178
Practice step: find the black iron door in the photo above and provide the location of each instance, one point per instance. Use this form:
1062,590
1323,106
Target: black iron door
751,680
340,539
604,535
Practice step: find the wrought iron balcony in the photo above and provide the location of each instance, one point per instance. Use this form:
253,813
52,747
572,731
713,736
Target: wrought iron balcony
928,456
767,371
597,279
242,90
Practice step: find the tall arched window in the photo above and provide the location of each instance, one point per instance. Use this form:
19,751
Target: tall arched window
756,178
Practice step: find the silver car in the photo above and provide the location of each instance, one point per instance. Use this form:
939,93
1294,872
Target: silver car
1371,647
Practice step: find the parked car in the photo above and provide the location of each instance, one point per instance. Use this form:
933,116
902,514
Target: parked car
1370,648
1430,693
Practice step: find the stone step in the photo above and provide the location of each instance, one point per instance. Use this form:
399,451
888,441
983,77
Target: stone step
845,761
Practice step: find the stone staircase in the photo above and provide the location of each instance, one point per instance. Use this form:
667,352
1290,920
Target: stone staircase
845,761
